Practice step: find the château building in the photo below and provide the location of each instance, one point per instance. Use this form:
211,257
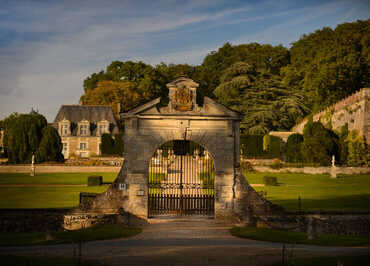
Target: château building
81,127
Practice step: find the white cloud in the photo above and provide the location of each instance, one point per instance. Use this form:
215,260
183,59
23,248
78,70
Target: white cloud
67,41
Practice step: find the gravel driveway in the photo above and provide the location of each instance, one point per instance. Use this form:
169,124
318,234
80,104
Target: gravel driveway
185,242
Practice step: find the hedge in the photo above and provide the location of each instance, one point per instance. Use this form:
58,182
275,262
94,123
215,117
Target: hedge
252,146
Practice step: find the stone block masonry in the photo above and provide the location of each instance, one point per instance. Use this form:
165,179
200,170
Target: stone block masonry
353,110
213,126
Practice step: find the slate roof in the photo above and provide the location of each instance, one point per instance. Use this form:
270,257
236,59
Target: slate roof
91,113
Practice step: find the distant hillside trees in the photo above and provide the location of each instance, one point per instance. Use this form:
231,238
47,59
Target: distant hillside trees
274,87
329,65
29,134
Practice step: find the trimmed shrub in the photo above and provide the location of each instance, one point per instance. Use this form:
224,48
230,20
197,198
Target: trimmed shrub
94,180
270,180
293,148
319,144
259,146
276,164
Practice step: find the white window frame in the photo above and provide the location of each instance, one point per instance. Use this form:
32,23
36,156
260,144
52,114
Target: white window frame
103,124
64,128
83,146
86,126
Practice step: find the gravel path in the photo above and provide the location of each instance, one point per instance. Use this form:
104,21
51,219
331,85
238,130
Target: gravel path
185,242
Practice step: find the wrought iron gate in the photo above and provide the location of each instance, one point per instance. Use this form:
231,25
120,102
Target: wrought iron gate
181,180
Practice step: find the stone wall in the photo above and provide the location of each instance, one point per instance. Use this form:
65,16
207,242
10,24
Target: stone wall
353,110
315,170
26,168
85,220
352,224
31,220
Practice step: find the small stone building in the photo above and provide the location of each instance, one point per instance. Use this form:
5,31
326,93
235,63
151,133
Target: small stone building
81,128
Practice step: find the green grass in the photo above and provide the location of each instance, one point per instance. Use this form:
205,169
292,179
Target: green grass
99,232
44,197
272,235
332,261
317,192
53,178
12,260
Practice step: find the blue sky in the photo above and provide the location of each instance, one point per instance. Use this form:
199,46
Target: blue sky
47,48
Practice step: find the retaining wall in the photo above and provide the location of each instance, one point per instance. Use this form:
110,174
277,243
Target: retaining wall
315,170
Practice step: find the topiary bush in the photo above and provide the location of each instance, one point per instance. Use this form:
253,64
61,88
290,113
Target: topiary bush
259,146
94,180
276,164
319,144
293,148
270,180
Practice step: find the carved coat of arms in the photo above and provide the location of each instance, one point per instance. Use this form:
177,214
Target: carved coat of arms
183,99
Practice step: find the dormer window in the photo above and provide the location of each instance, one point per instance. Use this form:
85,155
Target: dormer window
84,128
103,127
64,128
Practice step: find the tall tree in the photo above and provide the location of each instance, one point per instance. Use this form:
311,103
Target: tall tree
328,64
259,96
50,148
23,136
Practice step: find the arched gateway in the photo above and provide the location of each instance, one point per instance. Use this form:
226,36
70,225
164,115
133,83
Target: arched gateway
214,128
181,180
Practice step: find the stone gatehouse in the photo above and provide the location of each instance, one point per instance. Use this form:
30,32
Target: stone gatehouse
213,126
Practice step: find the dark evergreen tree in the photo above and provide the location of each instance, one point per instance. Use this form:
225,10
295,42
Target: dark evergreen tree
293,148
319,144
118,144
23,136
50,148
107,144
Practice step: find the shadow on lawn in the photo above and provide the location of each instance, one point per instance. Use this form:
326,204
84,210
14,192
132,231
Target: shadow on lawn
351,203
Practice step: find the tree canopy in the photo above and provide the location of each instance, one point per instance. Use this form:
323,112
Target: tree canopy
27,135
273,86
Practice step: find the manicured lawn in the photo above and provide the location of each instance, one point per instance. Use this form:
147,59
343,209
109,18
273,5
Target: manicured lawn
271,235
44,197
317,192
53,178
99,232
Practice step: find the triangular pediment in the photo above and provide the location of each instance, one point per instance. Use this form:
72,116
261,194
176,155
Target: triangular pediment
209,108
149,106
182,102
